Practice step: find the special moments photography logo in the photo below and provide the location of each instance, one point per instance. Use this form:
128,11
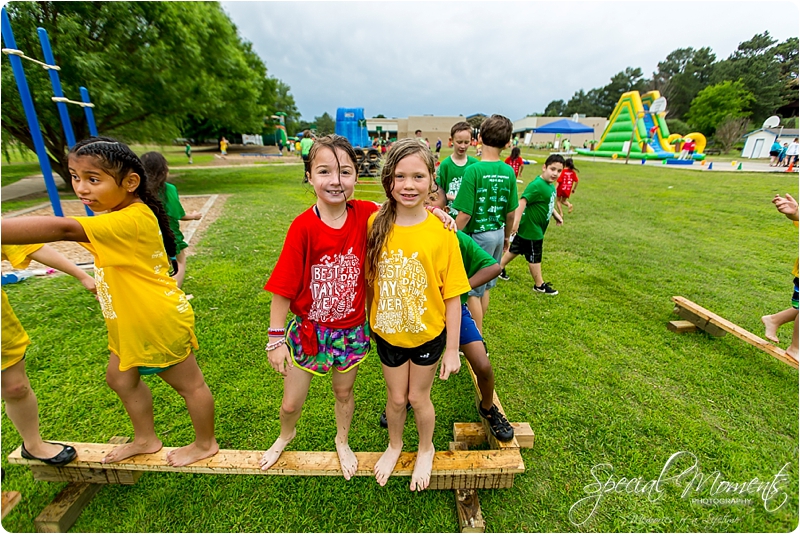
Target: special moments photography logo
682,470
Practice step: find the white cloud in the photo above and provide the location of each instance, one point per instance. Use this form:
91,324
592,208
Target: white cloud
513,58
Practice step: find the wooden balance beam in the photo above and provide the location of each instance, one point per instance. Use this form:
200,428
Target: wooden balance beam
715,325
451,469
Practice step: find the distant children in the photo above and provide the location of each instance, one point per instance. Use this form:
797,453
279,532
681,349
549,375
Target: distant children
451,170
305,147
567,184
788,206
486,202
516,162
438,146
531,221
416,276
223,147
157,169
22,407
782,155
150,323
189,151
774,152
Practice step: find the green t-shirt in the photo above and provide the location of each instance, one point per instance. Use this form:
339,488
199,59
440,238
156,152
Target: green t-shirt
305,145
487,194
172,205
541,198
473,257
449,176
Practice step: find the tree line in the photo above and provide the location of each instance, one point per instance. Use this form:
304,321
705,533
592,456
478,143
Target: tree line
757,80
155,71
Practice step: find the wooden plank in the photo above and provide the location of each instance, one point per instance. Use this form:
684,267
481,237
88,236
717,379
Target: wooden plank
474,434
738,331
9,501
494,443
461,469
681,327
63,511
468,507
700,321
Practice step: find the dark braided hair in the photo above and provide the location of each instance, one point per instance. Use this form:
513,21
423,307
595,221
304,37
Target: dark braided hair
118,160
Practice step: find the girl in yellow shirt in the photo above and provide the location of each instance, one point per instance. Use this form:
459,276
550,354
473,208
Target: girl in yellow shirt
416,276
21,404
150,323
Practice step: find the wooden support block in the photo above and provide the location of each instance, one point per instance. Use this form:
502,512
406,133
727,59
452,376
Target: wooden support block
63,511
681,327
468,507
474,434
684,305
10,500
699,321
460,469
493,441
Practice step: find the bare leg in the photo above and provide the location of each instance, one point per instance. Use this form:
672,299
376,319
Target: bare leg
138,402
396,399
484,306
506,259
479,361
419,395
558,207
775,321
23,410
345,405
187,379
181,274
792,349
569,205
295,391
536,272
476,310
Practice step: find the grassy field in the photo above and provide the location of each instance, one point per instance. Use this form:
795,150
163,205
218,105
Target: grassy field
594,370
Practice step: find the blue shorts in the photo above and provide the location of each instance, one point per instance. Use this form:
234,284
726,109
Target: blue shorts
469,332
795,294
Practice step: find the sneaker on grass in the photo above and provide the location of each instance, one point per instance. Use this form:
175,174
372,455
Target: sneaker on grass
498,424
503,276
545,288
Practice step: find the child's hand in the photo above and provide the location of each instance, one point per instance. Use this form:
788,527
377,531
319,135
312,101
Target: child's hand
445,217
280,358
451,363
89,284
786,205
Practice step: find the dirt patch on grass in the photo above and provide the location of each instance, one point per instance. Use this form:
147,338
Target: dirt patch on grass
79,255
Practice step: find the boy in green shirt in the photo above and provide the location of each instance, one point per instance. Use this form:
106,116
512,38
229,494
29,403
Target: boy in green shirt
486,201
531,221
453,167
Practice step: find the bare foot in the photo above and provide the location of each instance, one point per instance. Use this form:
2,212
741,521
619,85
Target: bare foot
385,466
132,449
191,453
421,476
770,329
792,353
271,456
570,209
347,460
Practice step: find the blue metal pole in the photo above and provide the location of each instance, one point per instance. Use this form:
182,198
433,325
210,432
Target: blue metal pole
30,113
55,81
89,113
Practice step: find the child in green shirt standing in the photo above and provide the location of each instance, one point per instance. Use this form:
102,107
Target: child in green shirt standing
453,167
531,220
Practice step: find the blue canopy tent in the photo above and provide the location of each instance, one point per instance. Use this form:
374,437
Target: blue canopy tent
564,126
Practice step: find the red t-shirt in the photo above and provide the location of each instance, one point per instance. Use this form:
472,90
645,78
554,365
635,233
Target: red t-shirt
516,164
321,269
565,181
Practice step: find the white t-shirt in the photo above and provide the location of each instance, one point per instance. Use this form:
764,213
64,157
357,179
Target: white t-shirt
793,150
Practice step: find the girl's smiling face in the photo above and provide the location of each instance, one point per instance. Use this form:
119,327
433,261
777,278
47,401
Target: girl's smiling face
98,189
412,182
333,176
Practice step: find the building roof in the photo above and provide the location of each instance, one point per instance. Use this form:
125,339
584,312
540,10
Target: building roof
787,132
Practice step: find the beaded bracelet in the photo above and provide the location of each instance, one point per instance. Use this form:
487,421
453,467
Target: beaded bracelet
430,208
276,331
274,345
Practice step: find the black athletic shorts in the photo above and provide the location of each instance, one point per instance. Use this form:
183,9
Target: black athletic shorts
531,250
426,354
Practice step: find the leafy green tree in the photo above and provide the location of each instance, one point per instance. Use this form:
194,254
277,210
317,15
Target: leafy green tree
325,124
152,69
718,103
754,63
628,80
555,109
678,126
684,73
786,54
584,103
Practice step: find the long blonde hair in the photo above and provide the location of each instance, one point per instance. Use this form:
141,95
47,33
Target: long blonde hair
384,220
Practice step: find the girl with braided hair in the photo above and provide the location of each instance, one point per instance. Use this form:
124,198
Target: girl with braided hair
150,323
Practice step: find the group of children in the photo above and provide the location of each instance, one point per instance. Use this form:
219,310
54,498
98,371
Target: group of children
783,156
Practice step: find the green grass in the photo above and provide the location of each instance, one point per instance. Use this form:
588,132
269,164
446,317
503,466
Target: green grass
17,171
594,370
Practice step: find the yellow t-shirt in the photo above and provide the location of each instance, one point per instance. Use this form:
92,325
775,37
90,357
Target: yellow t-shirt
15,338
150,323
420,267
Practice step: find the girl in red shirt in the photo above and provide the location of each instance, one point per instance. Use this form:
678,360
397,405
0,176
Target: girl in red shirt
516,161
567,184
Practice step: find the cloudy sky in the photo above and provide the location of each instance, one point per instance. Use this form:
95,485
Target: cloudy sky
459,58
